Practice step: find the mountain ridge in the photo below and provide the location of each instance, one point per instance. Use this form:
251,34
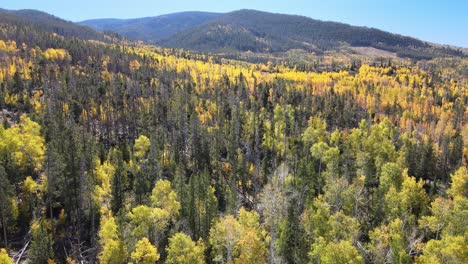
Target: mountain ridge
231,33
151,29
264,32
47,22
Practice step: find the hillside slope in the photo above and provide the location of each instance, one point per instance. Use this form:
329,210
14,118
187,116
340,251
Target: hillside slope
24,19
152,29
250,30
263,32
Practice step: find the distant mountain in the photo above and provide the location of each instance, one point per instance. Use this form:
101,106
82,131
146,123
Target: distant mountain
33,19
262,32
258,31
152,29
234,32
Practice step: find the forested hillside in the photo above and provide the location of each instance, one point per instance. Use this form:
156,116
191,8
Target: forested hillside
21,25
118,152
151,29
263,32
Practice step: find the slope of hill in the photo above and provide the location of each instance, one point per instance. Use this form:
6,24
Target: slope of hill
267,32
23,19
128,153
262,32
152,29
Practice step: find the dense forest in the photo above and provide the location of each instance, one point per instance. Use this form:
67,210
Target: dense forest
113,151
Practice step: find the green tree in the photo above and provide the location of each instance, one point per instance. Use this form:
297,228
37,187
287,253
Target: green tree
334,252
224,235
41,250
142,146
147,221
8,210
165,198
459,185
241,240
409,203
388,243
292,242
450,249
119,182
447,219
183,250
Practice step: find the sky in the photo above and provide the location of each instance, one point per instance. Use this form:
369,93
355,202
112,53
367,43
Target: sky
439,21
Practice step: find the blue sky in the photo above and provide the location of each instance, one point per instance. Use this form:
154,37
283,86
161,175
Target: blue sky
444,22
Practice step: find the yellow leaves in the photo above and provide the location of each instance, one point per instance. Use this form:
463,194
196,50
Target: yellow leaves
334,252
105,61
240,240
165,208
166,156
413,194
32,144
4,258
182,250
2,45
37,226
465,138
161,218
11,99
316,131
440,210
29,186
84,116
113,249
142,146
248,219
388,243
113,252
105,75
205,113
24,140
250,248
66,108
410,201
37,103
344,227
391,175
145,252
104,174
145,219
62,216
141,218
226,168
144,104
8,47
224,235
459,186
108,230
102,113
450,249
165,198
57,55
448,221
251,168
134,65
